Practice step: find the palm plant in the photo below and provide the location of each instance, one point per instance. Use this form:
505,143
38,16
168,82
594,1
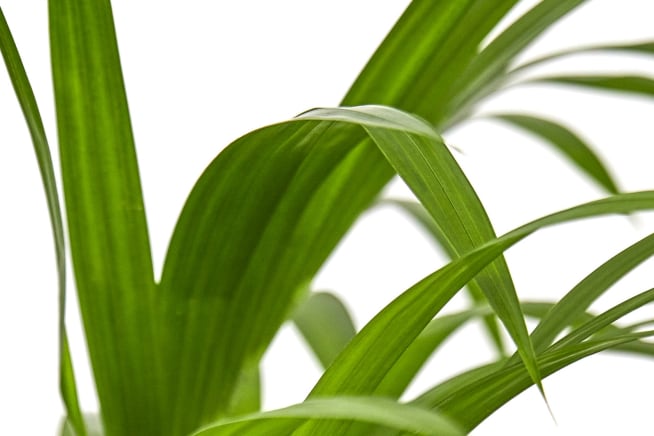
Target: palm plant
180,354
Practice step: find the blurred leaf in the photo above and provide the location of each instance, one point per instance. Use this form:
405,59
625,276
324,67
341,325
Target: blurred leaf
106,221
326,325
379,411
93,426
641,48
639,85
568,143
246,397
23,89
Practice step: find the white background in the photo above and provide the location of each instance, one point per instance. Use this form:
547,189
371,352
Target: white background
201,73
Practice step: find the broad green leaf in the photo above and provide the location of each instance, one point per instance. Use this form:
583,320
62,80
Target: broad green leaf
106,221
418,212
380,411
567,142
441,186
638,85
489,68
326,325
642,48
470,397
361,367
257,226
32,115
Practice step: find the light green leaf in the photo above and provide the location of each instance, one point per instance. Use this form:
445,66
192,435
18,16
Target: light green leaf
32,115
567,142
246,397
326,325
361,367
106,221
380,411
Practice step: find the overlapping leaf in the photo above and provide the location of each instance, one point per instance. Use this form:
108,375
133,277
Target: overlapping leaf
365,362
257,226
380,411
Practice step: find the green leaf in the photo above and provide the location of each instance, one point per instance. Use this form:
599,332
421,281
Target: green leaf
470,397
568,143
414,357
642,48
378,411
106,221
575,302
638,85
418,212
247,393
32,115
92,422
361,367
326,325
489,68
256,228
444,38
435,178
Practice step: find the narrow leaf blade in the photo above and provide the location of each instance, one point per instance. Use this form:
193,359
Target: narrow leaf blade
23,89
566,142
107,226
372,410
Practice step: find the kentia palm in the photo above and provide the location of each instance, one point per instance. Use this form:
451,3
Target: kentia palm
180,355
